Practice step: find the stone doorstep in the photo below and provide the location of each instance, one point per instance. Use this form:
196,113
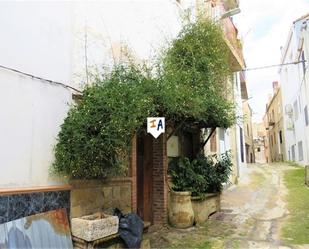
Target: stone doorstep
83,244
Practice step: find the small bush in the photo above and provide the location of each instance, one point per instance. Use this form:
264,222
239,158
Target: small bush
205,174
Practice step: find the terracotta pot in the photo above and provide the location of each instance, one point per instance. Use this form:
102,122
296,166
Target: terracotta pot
180,213
204,207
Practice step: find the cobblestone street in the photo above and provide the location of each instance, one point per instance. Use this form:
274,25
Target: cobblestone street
256,207
251,215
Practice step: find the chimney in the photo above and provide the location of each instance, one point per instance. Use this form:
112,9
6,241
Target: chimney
275,86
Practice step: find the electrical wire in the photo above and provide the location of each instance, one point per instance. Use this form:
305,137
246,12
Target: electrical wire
72,88
276,65
40,78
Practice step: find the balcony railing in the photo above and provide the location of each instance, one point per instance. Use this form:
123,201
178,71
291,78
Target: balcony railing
230,31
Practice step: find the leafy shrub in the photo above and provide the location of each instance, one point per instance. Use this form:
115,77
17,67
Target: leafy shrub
95,138
197,66
185,85
205,174
218,172
183,175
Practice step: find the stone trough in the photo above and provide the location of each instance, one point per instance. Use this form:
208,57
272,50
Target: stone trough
94,227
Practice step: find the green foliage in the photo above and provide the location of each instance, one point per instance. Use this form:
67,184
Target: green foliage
218,170
96,135
186,85
296,229
205,174
196,73
293,163
183,175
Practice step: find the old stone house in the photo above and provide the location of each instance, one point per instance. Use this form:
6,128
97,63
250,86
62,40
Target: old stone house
275,128
248,132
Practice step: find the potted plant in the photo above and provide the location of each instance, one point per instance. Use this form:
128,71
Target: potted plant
180,213
215,170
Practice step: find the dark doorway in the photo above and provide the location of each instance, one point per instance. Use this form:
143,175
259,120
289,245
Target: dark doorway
247,153
241,145
144,176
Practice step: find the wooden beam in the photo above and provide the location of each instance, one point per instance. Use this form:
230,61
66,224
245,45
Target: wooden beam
207,139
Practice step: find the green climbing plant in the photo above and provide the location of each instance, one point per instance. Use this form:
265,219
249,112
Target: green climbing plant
188,85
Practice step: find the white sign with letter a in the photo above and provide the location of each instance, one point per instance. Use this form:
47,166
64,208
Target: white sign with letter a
155,126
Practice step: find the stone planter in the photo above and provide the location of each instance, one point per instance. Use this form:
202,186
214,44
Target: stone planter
93,227
203,207
180,213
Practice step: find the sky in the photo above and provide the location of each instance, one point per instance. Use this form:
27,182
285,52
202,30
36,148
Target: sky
264,26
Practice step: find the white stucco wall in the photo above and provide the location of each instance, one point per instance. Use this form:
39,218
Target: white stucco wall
239,125
103,28
38,41
294,89
47,39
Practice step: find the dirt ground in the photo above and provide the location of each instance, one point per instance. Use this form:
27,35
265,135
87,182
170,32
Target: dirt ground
251,215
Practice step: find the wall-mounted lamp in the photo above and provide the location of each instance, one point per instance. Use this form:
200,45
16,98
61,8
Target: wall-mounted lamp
230,13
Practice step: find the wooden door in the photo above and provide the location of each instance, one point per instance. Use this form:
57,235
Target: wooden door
144,176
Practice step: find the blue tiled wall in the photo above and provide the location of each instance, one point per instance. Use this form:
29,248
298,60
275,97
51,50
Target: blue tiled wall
16,206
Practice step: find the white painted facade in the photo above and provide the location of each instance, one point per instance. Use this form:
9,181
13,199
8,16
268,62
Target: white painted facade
37,41
295,94
233,139
50,40
239,127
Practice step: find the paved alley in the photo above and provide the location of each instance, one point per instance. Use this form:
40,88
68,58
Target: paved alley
256,206
251,215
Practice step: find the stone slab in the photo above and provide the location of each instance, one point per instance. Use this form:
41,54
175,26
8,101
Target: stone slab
94,227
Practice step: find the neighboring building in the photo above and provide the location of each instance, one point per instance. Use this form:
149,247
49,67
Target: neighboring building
231,139
248,132
295,91
260,142
266,140
275,129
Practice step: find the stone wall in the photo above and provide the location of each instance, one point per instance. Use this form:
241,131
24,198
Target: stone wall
90,196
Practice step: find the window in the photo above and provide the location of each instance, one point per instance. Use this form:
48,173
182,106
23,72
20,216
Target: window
289,155
273,115
248,131
275,140
300,151
258,149
303,62
295,107
306,115
280,136
173,147
293,152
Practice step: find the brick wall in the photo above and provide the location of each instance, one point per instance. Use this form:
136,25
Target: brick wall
159,181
